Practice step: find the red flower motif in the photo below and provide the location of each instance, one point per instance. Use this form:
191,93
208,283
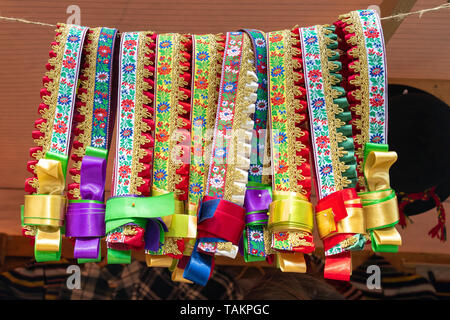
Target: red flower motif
124,171
262,68
277,99
127,105
69,63
254,251
377,100
129,44
276,38
372,33
322,141
60,127
100,114
281,236
164,68
314,75
282,167
162,136
201,83
104,51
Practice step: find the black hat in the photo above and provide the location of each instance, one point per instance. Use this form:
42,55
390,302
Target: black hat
419,131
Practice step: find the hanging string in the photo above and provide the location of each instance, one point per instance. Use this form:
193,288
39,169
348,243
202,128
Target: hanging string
396,16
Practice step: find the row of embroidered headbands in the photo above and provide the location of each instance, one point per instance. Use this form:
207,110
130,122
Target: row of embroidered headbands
213,141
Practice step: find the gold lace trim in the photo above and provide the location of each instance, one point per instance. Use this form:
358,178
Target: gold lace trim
294,132
241,117
52,86
140,112
362,84
225,246
84,138
333,109
171,246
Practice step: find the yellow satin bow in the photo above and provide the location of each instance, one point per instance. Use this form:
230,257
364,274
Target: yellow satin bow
290,211
46,210
380,203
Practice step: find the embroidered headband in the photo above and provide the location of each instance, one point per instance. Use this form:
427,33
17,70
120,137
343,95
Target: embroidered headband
291,213
258,195
207,55
221,215
339,214
85,217
44,209
366,81
130,211
172,139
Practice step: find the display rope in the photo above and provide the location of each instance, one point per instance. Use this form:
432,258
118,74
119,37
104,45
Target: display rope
396,16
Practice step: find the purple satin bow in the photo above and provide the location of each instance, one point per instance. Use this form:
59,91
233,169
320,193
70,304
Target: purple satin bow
85,221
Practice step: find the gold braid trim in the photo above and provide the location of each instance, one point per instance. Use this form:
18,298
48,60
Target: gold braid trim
90,57
52,86
239,159
293,117
175,117
333,109
140,111
362,85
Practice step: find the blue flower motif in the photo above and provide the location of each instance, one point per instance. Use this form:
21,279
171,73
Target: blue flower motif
64,99
202,55
279,137
163,107
229,87
196,188
318,103
126,133
199,121
277,71
73,38
160,175
311,40
326,169
377,138
220,152
128,68
376,71
165,44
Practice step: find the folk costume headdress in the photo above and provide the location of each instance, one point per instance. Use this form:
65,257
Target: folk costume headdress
131,211
44,209
291,216
221,215
172,144
339,213
365,80
258,195
95,110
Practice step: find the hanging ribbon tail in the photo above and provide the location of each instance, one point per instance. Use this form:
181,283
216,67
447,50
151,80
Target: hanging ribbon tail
92,178
219,221
291,262
85,221
440,227
154,234
338,266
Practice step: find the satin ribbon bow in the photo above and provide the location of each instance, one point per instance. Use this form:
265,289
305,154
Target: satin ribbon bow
219,221
85,219
258,197
380,202
47,208
292,213
179,226
340,223
145,212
